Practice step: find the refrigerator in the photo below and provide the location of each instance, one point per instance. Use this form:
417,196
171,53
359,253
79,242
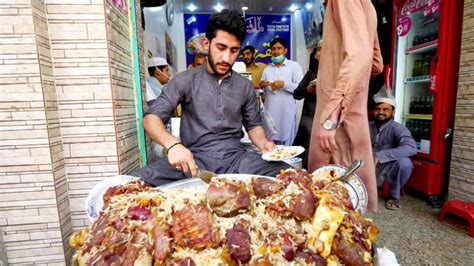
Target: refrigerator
426,55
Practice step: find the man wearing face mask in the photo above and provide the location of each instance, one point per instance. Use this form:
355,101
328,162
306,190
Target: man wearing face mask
159,75
216,103
280,80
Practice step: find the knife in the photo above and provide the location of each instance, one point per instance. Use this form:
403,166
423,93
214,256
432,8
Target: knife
206,175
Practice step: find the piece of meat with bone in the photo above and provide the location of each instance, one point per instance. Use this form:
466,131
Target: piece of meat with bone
227,198
264,187
130,188
162,245
300,176
194,227
238,242
299,203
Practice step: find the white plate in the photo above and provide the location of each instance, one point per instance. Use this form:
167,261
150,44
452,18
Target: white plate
268,156
95,202
245,141
354,185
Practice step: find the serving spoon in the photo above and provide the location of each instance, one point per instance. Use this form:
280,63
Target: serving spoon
356,164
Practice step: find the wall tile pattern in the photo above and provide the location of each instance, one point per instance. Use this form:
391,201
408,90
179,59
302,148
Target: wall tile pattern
67,119
34,207
461,183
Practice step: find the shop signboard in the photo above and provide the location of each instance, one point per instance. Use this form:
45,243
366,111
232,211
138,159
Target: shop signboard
261,29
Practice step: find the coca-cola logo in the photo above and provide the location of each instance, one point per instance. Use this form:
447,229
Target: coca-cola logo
404,26
415,5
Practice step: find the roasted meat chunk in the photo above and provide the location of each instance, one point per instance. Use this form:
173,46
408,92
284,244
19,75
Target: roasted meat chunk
310,257
353,241
162,245
264,187
341,193
300,204
130,188
227,198
300,176
194,227
238,243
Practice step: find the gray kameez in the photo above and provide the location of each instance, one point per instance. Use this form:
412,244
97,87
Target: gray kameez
211,125
392,145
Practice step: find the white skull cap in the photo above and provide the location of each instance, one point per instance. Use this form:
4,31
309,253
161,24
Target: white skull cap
384,96
388,100
157,61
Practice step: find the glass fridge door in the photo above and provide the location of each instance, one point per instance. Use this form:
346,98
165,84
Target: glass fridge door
416,65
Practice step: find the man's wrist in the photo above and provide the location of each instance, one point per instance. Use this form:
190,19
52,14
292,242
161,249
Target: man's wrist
167,150
329,124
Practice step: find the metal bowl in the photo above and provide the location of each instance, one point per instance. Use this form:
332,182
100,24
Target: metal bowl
354,185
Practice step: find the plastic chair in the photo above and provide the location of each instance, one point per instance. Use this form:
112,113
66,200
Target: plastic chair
459,208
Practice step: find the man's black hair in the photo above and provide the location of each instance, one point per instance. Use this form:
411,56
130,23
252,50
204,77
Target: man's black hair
151,70
229,21
278,40
248,47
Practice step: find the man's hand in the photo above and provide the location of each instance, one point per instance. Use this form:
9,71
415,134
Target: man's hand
268,147
326,139
265,83
182,158
311,88
278,85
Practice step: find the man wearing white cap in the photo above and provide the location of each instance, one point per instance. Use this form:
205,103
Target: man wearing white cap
392,145
159,75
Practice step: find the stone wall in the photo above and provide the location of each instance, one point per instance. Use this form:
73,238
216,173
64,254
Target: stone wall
67,118
461,183
123,90
33,195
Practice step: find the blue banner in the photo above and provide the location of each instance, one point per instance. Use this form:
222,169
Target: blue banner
261,29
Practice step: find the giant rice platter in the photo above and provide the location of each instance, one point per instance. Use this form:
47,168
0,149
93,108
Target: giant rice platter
296,218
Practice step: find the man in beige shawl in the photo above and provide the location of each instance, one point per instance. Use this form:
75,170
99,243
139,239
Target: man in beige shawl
350,57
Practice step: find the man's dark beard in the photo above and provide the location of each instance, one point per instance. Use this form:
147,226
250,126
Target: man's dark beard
211,63
382,122
249,63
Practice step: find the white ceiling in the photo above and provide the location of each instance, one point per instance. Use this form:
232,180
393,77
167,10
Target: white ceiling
255,6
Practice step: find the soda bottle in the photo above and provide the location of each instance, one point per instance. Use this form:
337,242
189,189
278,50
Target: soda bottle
412,105
416,131
416,108
415,68
416,39
408,125
430,105
426,105
426,65
426,130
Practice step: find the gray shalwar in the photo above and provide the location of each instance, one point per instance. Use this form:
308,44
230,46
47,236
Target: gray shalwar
211,125
392,145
